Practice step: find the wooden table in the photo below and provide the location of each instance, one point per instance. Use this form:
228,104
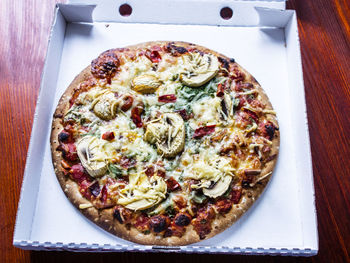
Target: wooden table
325,36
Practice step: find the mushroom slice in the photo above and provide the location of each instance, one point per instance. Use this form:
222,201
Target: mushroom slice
105,106
145,84
219,188
199,69
168,133
86,149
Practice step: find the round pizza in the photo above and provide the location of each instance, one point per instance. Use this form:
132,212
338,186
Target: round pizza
164,143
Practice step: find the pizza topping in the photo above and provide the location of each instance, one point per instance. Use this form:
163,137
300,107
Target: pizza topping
182,219
220,90
105,66
78,173
202,223
198,69
105,106
175,50
64,136
183,113
202,131
167,98
145,83
172,184
267,129
69,151
108,136
142,192
127,101
122,214
88,148
219,188
136,114
65,165
168,133
159,223
154,56
95,189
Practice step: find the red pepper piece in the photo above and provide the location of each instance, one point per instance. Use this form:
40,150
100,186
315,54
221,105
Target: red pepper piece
167,98
127,102
220,90
108,136
153,56
173,185
202,131
136,115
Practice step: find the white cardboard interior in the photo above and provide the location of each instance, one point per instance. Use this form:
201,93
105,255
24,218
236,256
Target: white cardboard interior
283,220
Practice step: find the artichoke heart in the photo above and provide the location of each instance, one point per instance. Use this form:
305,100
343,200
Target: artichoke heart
199,69
87,148
219,188
168,133
105,106
142,192
145,84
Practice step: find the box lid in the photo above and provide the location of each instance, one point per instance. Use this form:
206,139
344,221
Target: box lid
201,12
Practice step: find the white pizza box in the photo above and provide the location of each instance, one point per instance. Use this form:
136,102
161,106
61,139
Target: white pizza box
262,36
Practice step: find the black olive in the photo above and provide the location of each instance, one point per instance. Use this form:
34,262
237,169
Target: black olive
232,60
270,130
116,215
63,136
224,107
182,220
95,189
224,62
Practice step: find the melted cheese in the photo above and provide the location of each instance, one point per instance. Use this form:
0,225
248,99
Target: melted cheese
206,111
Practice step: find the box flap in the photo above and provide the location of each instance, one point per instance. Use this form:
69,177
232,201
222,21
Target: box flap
200,12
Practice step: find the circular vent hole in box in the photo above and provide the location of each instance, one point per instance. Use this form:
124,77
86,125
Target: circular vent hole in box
125,10
226,13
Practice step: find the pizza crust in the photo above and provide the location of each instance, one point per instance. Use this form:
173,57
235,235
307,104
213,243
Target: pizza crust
104,218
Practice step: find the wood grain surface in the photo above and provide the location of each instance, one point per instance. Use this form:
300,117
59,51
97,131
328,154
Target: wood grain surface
325,46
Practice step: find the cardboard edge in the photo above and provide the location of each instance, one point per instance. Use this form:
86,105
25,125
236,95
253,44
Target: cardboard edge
310,227
33,147
85,247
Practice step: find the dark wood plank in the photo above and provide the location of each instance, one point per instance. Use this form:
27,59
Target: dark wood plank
325,45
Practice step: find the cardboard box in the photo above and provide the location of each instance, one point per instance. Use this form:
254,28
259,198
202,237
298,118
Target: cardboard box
262,37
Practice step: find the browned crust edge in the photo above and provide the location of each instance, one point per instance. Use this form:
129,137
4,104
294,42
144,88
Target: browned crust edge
104,218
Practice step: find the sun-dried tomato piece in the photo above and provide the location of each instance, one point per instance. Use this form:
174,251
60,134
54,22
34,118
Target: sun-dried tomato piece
172,184
136,115
127,101
153,56
202,131
167,98
108,136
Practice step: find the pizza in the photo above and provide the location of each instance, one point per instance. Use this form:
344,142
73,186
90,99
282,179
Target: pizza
164,143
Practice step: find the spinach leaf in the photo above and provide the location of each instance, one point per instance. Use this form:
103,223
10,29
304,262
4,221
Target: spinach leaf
199,198
114,171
